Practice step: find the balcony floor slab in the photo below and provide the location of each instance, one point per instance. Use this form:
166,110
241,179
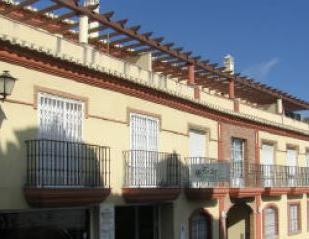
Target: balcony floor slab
150,195
206,193
245,192
61,197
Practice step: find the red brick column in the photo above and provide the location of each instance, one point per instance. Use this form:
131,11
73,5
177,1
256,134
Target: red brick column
231,89
191,81
191,74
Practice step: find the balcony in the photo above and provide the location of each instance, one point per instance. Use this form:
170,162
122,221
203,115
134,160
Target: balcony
212,179
278,180
61,173
151,176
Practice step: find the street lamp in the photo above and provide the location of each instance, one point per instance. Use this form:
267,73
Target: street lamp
7,83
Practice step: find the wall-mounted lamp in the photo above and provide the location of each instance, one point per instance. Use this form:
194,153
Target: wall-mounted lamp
7,83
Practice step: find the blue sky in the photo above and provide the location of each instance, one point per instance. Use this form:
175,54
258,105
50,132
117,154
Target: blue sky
268,38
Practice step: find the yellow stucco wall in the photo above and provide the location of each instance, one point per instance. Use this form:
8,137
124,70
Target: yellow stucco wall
19,122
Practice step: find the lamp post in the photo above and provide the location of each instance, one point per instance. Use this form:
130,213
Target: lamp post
7,83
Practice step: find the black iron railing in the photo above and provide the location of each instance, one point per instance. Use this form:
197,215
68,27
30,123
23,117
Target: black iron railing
283,176
152,169
52,163
205,172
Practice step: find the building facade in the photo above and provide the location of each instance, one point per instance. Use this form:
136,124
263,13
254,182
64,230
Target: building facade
118,135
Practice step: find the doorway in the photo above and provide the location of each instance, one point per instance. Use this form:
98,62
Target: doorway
137,222
240,222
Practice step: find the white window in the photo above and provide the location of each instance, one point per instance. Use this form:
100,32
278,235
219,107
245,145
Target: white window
237,164
294,218
270,223
197,151
60,118
199,227
238,150
267,161
307,158
197,144
144,150
292,163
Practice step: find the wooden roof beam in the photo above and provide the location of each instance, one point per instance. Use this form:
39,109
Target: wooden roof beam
103,27
154,45
144,50
108,14
105,36
169,45
21,5
121,41
49,9
67,15
158,40
166,58
133,46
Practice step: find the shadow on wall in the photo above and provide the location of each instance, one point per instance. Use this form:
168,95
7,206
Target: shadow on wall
2,116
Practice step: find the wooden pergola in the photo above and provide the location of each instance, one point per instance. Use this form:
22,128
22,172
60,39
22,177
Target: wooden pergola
116,38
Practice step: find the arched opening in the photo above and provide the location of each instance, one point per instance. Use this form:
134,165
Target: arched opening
200,225
240,222
270,222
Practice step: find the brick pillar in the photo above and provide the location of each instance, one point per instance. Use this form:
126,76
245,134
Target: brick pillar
258,218
236,104
222,220
196,92
231,88
191,75
191,81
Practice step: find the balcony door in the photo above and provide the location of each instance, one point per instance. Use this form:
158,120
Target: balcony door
237,164
267,161
60,122
292,166
197,151
144,146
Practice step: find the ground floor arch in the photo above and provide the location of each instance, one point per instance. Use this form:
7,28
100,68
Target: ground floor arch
240,222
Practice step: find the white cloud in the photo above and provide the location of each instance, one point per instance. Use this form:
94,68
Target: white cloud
261,71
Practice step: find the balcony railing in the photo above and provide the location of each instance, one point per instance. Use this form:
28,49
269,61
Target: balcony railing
52,163
207,173
152,169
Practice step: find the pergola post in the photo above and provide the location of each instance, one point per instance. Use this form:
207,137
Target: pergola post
191,74
279,106
83,29
232,89
191,81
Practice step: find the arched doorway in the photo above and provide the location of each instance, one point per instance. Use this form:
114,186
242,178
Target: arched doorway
240,222
200,225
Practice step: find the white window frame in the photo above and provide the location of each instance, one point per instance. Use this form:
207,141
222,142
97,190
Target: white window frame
293,220
268,174
267,225
237,179
78,137
60,113
292,180
137,173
